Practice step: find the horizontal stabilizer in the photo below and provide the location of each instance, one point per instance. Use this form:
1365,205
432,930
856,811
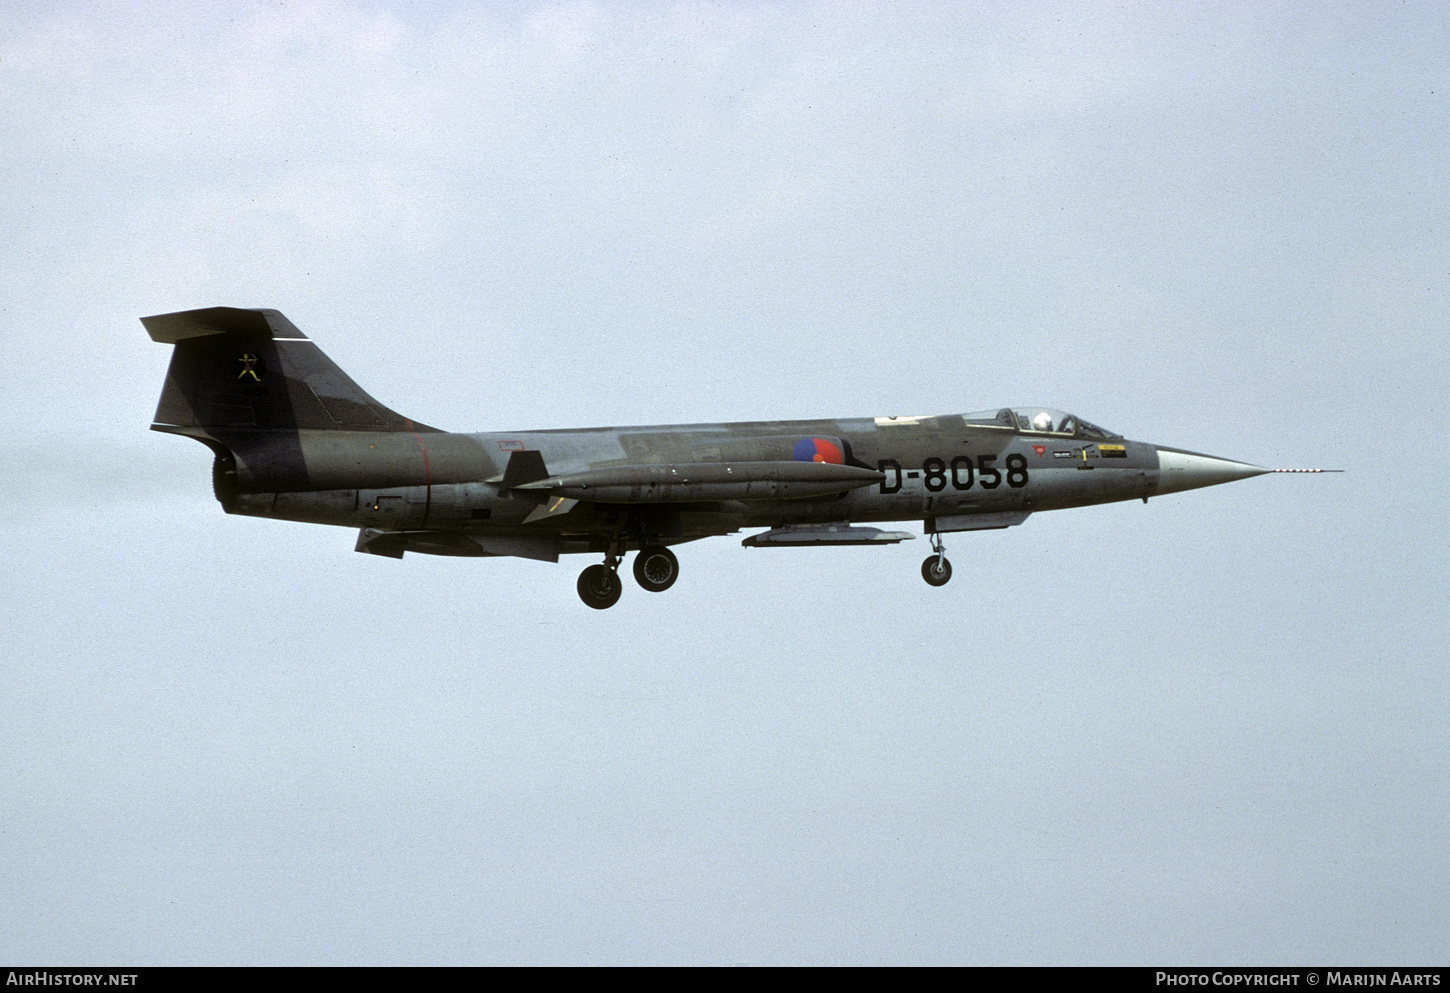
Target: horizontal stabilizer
171,328
824,534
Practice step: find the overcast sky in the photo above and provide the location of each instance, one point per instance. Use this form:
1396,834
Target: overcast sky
1211,729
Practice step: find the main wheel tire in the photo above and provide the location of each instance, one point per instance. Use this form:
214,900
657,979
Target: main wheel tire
656,568
600,587
936,570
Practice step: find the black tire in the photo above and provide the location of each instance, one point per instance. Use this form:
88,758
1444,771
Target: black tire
656,568
599,587
933,575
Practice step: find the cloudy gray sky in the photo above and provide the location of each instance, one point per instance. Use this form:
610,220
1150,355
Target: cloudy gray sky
1209,729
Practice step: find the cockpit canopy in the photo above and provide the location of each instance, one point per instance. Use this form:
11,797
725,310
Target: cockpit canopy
1040,420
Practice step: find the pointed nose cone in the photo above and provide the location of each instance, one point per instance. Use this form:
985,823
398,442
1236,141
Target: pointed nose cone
1179,470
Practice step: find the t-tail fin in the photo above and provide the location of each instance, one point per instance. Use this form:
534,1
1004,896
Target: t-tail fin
236,370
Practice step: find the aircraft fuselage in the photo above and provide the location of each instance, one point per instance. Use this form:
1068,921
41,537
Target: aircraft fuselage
296,439
931,467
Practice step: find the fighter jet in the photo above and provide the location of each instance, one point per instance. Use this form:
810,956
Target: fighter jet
295,438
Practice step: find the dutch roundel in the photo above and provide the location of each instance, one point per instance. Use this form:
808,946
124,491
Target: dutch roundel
818,450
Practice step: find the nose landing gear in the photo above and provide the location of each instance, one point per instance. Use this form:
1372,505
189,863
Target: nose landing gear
936,570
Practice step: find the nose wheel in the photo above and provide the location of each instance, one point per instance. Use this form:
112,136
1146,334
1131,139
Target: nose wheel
936,570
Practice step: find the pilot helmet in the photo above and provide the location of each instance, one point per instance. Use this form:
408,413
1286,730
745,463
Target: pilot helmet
1042,421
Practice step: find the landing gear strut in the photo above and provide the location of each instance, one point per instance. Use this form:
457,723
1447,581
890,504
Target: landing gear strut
936,570
600,585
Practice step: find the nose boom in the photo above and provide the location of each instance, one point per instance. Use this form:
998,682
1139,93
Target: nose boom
1179,470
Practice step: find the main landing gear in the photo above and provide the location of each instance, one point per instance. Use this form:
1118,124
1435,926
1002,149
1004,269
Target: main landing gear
655,569
936,570
600,586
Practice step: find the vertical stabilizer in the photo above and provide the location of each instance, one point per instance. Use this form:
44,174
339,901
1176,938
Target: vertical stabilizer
234,369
